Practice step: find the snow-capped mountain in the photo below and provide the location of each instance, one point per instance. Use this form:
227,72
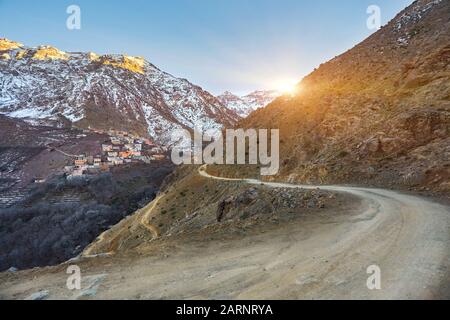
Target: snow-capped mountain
247,104
103,92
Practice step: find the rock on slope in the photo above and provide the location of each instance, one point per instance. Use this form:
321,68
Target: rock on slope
102,92
249,103
378,114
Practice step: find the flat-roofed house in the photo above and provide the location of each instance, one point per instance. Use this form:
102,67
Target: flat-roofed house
118,161
148,142
125,154
80,162
159,157
115,141
97,161
90,160
76,173
157,150
107,147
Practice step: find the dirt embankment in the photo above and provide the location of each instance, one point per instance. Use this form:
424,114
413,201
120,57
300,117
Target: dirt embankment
190,203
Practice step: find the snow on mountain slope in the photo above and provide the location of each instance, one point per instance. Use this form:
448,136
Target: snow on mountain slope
103,92
247,104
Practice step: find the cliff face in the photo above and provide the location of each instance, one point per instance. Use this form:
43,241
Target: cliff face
46,85
378,114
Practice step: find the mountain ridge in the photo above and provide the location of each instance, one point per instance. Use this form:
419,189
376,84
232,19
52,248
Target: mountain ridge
103,92
244,105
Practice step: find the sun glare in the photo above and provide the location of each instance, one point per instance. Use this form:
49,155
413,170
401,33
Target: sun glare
287,86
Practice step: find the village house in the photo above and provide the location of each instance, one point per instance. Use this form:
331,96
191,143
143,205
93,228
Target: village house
159,157
90,160
117,161
148,142
80,161
116,141
107,147
78,172
144,159
128,139
157,150
97,161
125,154
111,159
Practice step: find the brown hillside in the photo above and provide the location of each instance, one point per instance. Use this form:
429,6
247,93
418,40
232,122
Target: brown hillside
379,114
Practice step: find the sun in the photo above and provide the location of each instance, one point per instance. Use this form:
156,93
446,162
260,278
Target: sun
287,86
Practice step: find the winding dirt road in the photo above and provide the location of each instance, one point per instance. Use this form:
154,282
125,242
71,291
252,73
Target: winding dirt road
407,237
325,257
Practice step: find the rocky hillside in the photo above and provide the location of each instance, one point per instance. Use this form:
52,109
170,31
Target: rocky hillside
378,114
112,91
28,152
247,104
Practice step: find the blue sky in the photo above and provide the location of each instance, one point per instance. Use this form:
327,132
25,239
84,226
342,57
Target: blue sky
236,45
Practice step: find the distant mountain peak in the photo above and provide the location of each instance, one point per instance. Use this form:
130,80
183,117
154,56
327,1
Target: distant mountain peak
6,44
133,64
244,105
49,53
228,93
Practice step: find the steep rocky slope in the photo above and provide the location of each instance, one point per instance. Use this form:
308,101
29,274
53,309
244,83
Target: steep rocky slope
102,92
247,104
378,114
